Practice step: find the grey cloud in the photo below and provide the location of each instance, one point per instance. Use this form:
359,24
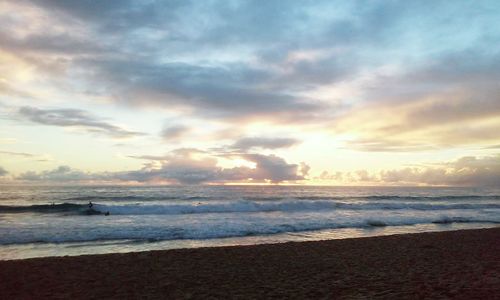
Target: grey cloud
325,175
74,118
466,171
304,169
183,171
435,176
363,175
112,16
22,154
184,166
444,103
50,44
174,132
247,143
349,177
273,168
181,166
3,172
149,157
212,91
59,174
87,8
480,104
462,78
34,157
161,53
181,153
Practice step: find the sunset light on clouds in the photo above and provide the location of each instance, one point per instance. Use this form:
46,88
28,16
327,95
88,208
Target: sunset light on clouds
250,92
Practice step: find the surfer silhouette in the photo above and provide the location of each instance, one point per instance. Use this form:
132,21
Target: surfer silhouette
90,204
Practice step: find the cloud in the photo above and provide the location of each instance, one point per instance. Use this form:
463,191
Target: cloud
49,43
248,143
7,89
74,118
387,145
59,174
325,175
207,87
304,169
184,166
149,157
174,132
241,59
393,76
272,168
465,171
22,154
3,172
191,166
448,102
210,91
34,157
359,176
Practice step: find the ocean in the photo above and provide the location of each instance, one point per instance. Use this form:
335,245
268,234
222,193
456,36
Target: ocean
57,221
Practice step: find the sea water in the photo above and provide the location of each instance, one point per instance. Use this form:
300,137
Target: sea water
54,221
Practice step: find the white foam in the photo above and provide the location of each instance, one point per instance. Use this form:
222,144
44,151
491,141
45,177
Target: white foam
270,206
206,226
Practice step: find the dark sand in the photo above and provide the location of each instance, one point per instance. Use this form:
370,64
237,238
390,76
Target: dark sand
441,265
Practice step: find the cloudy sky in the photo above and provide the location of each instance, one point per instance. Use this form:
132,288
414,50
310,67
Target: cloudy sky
218,92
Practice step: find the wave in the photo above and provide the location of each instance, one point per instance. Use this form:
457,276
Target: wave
401,198
281,206
280,198
43,208
118,198
240,206
198,231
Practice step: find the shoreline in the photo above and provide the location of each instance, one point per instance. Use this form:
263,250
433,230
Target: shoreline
462,264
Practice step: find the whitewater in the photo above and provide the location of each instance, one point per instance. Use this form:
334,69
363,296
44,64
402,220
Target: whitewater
47,221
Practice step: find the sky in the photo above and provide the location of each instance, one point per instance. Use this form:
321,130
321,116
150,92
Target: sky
250,92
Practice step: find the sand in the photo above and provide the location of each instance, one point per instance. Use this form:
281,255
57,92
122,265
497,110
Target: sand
441,265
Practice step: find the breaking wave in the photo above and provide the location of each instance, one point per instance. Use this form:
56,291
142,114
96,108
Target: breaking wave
240,206
206,231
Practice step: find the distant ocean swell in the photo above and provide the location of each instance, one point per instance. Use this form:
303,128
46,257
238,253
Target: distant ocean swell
275,198
241,206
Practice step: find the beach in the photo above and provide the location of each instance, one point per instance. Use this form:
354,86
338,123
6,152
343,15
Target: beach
455,264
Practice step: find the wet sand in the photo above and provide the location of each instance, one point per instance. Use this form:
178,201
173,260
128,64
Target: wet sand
441,265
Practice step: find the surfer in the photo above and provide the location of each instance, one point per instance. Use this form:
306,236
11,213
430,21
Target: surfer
90,204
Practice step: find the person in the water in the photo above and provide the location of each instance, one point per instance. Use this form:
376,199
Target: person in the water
90,204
